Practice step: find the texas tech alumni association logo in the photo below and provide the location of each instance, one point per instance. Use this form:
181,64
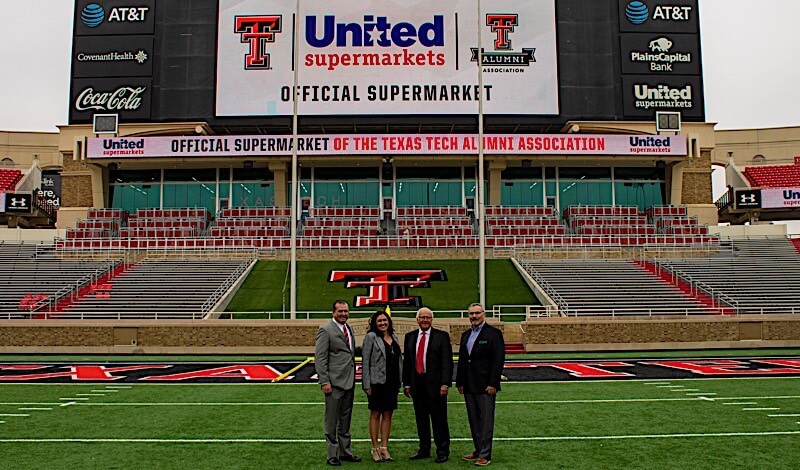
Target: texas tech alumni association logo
257,31
502,25
388,287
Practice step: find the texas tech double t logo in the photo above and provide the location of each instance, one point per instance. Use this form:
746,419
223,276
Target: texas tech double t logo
388,287
257,31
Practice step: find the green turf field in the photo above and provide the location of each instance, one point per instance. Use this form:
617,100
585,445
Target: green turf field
263,290
698,424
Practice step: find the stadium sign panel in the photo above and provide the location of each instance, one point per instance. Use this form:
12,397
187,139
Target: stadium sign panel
660,16
386,58
128,97
100,18
667,53
780,198
381,144
116,56
643,95
747,199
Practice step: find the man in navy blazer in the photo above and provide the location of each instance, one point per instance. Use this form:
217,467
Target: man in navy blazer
427,376
481,356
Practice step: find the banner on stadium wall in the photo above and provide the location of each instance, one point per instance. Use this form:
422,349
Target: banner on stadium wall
779,198
382,144
386,57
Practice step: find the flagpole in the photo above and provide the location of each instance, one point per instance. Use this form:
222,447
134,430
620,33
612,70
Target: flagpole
479,192
295,183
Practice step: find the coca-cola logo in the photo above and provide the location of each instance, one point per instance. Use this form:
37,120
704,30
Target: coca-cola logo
124,98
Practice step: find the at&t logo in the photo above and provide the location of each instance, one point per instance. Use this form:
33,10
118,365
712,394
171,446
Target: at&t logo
93,15
637,12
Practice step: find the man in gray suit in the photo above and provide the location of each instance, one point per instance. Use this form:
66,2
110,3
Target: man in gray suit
334,360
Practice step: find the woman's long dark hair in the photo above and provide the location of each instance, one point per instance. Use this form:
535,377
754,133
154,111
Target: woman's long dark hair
373,323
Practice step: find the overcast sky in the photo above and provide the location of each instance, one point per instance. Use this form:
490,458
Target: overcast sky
750,63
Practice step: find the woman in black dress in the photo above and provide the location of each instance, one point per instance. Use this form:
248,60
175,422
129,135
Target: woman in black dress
380,378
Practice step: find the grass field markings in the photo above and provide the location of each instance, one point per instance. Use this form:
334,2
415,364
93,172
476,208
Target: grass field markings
73,398
686,390
741,403
106,391
90,394
657,383
704,394
9,415
35,409
760,409
706,398
118,386
784,415
396,439
68,403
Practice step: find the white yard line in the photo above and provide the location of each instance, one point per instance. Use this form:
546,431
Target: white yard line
35,409
7,415
760,409
741,403
784,415
408,439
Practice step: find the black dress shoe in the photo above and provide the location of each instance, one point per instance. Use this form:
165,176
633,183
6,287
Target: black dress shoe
441,459
350,458
420,456
333,461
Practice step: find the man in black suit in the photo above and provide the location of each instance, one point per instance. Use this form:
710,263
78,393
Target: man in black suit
427,376
481,356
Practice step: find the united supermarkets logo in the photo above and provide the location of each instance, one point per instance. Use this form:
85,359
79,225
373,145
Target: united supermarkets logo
502,57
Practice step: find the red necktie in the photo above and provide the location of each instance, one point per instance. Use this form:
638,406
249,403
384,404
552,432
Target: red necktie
346,337
421,354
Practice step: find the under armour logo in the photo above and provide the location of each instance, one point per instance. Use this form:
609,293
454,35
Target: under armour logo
19,202
747,198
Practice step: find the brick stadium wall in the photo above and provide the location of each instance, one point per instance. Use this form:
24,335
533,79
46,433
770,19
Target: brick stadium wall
297,337
560,334
697,180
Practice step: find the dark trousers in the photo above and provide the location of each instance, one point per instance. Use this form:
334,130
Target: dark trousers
480,411
338,412
430,410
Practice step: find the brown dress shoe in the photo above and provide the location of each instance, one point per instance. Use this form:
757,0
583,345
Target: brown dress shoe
481,462
470,457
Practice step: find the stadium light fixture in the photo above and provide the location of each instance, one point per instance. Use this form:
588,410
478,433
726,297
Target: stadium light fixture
105,124
668,121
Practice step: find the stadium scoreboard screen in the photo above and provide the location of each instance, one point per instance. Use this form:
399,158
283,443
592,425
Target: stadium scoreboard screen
246,61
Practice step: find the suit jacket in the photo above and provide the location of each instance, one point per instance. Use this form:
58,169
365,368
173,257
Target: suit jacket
438,361
334,361
484,366
373,361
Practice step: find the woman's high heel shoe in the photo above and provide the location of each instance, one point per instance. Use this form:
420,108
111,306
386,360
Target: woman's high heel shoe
376,455
385,454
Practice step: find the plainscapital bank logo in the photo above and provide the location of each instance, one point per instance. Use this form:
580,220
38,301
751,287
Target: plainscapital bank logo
502,25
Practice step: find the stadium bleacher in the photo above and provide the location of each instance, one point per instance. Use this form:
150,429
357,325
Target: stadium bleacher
32,277
141,289
583,287
773,176
413,227
9,179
